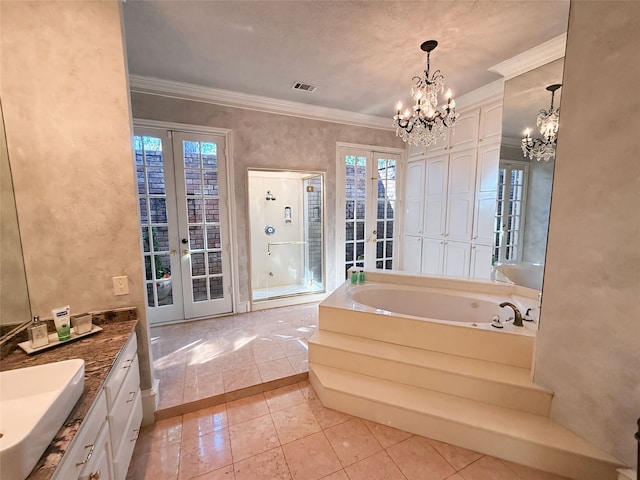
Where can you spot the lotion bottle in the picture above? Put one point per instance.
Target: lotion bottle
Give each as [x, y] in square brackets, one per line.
[62, 319]
[38, 334]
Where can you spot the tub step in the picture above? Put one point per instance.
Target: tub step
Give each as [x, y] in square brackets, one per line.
[527, 439]
[512, 346]
[480, 380]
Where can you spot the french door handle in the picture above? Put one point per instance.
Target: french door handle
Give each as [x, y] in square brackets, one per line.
[186, 252]
[173, 251]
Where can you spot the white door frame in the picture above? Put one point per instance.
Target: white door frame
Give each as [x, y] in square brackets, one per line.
[237, 306]
[340, 201]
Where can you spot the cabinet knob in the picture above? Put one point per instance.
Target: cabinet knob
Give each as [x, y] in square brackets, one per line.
[95, 475]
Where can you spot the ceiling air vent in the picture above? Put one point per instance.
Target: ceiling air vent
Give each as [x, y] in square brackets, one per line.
[305, 87]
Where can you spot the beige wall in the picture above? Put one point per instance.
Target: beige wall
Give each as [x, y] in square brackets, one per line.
[65, 101]
[269, 141]
[589, 341]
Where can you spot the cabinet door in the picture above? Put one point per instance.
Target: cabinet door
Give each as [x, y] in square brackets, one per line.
[411, 254]
[465, 133]
[490, 122]
[84, 443]
[122, 457]
[461, 185]
[99, 466]
[435, 196]
[456, 259]
[432, 256]
[123, 405]
[486, 193]
[481, 261]
[414, 198]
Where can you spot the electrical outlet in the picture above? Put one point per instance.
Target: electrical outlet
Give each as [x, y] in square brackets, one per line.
[121, 285]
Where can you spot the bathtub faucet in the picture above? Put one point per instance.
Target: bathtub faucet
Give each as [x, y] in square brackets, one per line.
[518, 316]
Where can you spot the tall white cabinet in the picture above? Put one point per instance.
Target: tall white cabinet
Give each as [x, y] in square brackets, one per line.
[450, 198]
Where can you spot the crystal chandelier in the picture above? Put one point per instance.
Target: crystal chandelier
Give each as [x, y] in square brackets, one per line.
[548, 122]
[427, 122]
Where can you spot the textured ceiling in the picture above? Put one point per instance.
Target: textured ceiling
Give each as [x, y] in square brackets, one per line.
[361, 55]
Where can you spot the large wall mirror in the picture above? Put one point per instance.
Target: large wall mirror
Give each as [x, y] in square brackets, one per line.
[14, 296]
[526, 184]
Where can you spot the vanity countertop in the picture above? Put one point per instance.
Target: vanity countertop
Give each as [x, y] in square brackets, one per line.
[99, 352]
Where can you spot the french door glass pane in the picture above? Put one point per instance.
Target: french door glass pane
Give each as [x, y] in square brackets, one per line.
[386, 196]
[202, 189]
[355, 198]
[152, 197]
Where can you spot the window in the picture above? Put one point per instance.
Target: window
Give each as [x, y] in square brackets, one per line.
[509, 225]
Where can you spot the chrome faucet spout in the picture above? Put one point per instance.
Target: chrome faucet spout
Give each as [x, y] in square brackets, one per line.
[518, 316]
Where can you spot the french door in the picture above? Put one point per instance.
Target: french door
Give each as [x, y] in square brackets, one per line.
[367, 208]
[510, 211]
[184, 224]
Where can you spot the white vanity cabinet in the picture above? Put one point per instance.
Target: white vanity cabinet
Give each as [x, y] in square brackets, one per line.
[103, 445]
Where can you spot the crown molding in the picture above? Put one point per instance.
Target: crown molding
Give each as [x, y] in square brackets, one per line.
[511, 142]
[186, 91]
[533, 58]
[486, 93]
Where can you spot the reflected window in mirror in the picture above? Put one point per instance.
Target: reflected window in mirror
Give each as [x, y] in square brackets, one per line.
[510, 211]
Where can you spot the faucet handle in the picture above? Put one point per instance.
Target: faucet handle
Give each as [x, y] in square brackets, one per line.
[527, 317]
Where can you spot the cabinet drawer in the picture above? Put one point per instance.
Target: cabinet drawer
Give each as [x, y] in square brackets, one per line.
[122, 458]
[99, 467]
[119, 370]
[84, 442]
[121, 410]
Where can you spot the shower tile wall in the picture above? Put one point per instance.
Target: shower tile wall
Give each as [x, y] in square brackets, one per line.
[314, 228]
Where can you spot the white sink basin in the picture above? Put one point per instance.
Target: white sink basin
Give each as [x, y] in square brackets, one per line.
[34, 403]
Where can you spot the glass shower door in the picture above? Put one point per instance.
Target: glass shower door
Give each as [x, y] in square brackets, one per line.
[286, 218]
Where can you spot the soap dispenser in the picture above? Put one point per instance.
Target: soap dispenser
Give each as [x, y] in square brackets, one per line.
[38, 334]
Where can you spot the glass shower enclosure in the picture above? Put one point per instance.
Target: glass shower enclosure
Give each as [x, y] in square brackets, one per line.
[286, 215]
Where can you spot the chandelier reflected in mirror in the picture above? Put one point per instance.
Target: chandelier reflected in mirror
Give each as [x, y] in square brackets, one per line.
[548, 122]
[427, 122]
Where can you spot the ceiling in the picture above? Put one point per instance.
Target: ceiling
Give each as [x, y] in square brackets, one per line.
[360, 55]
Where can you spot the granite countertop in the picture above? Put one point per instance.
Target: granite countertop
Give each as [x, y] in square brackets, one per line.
[99, 352]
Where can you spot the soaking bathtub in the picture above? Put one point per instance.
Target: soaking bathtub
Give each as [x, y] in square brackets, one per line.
[437, 314]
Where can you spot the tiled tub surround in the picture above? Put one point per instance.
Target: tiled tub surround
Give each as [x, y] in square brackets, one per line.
[439, 371]
[99, 351]
[207, 362]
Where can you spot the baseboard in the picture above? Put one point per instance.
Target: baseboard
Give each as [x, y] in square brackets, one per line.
[150, 400]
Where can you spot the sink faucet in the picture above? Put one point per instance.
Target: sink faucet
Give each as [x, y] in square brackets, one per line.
[518, 316]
